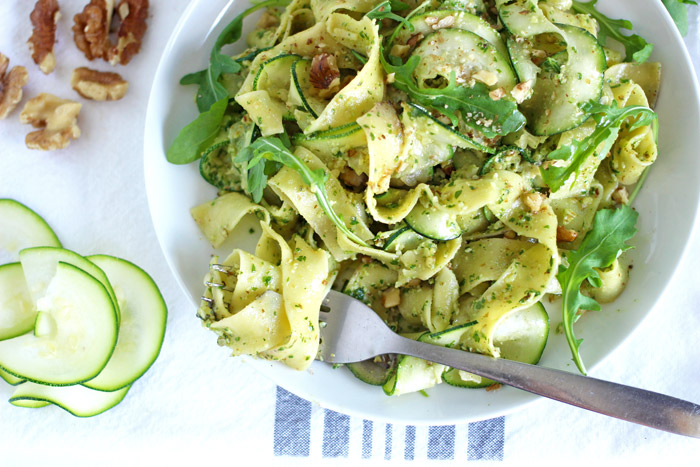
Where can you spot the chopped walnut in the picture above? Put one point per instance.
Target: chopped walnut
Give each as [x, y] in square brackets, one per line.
[56, 118]
[489, 78]
[44, 19]
[621, 195]
[522, 91]
[431, 20]
[497, 94]
[566, 235]
[133, 14]
[446, 22]
[11, 85]
[324, 72]
[91, 28]
[391, 297]
[98, 85]
[533, 201]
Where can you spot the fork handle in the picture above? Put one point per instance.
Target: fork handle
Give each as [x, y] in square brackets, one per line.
[616, 400]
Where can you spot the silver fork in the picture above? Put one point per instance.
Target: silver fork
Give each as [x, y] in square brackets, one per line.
[352, 332]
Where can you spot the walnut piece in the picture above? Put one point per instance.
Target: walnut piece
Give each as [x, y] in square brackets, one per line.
[324, 72]
[533, 201]
[133, 14]
[57, 119]
[44, 19]
[11, 85]
[92, 26]
[99, 85]
[621, 195]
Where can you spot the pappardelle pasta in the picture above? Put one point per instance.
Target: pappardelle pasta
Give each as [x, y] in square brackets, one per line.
[449, 163]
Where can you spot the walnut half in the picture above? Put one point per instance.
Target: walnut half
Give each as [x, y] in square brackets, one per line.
[324, 73]
[57, 119]
[44, 19]
[133, 14]
[11, 85]
[99, 85]
[92, 26]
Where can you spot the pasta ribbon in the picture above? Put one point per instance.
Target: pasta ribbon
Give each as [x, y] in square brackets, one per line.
[306, 279]
[521, 285]
[367, 88]
[217, 218]
[384, 138]
[289, 186]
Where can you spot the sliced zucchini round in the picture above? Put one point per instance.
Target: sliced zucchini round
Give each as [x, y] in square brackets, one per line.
[448, 132]
[22, 228]
[415, 374]
[142, 327]
[217, 165]
[16, 307]
[10, 379]
[463, 54]
[84, 338]
[522, 336]
[555, 105]
[39, 265]
[77, 400]
[402, 240]
[334, 140]
[300, 90]
[426, 22]
[523, 66]
[29, 403]
[274, 76]
[433, 223]
[371, 372]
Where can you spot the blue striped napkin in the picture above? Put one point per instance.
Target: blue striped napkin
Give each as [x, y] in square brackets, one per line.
[304, 430]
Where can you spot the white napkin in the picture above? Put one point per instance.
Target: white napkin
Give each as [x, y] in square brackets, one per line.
[198, 405]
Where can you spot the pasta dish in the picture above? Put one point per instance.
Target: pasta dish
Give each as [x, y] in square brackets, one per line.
[452, 164]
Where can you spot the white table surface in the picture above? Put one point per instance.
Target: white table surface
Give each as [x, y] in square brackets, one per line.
[93, 195]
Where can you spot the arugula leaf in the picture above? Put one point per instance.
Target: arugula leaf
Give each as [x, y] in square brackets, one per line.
[473, 104]
[189, 143]
[210, 88]
[612, 229]
[679, 12]
[609, 121]
[636, 47]
[385, 10]
[266, 155]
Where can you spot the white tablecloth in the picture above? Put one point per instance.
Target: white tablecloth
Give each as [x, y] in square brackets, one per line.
[185, 408]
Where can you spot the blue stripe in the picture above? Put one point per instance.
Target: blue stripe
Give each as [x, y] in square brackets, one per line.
[387, 442]
[409, 450]
[366, 439]
[292, 425]
[336, 434]
[486, 439]
[441, 442]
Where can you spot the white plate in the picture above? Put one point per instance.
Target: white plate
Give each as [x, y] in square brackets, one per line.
[668, 207]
